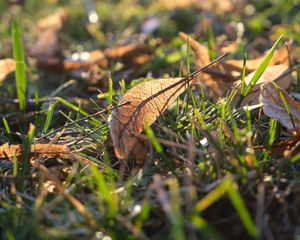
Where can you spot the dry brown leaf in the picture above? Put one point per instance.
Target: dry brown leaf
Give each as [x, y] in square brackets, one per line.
[202, 57]
[55, 21]
[147, 101]
[174, 4]
[93, 58]
[219, 78]
[41, 150]
[96, 57]
[229, 47]
[280, 74]
[6, 67]
[214, 83]
[271, 97]
[286, 148]
[47, 45]
[211, 5]
[281, 56]
[130, 54]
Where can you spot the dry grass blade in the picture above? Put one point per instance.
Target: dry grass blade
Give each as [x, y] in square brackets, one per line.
[6, 67]
[278, 104]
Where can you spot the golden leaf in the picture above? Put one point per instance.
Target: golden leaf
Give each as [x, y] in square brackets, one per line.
[147, 101]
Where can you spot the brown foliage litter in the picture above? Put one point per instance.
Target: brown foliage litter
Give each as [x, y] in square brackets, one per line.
[6, 67]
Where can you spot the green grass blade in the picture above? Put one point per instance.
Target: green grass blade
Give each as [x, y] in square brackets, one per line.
[110, 91]
[188, 56]
[298, 81]
[243, 73]
[211, 43]
[260, 70]
[79, 110]
[123, 86]
[18, 50]
[178, 219]
[105, 192]
[211, 197]
[49, 117]
[248, 119]
[10, 235]
[272, 132]
[286, 106]
[153, 139]
[295, 158]
[7, 128]
[201, 224]
[15, 165]
[241, 209]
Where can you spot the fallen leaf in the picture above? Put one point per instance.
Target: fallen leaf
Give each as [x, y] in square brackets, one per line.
[221, 77]
[201, 52]
[47, 50]
[147, 101]
[230, 47]
[46, 46]
[287, 148]
[6, 67]
[212, 5]
[130, 54]
[279, 74]
[275, 100]
[281, 56]
[79, 61]
[54, 21]
[175, 4]
[85, 60]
